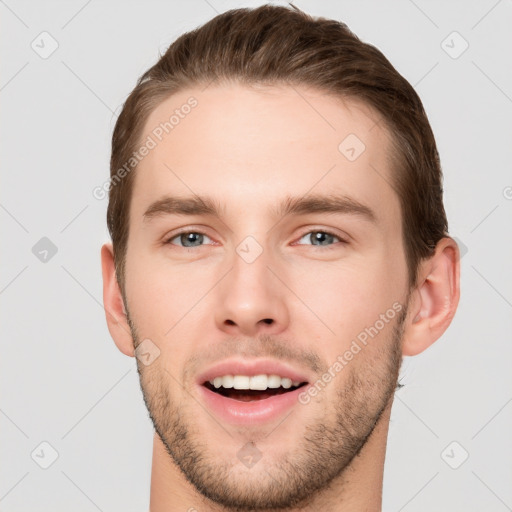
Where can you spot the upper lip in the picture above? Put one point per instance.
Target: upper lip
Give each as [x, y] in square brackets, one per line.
[251, 367]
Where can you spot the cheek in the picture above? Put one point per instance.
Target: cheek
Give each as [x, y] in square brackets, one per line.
[162, 300]
[163, 290]
[346, 298]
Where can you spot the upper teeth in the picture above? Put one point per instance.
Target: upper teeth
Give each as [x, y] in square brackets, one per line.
[259, 382]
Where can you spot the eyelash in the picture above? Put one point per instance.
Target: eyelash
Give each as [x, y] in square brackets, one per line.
[199, 232]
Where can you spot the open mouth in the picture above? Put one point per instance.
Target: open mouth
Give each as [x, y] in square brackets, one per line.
[254, 394]
[251, 395]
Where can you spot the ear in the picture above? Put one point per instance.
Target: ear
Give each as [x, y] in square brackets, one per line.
[434, 301]
[113, 303]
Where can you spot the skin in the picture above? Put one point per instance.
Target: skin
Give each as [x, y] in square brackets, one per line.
[249, 148]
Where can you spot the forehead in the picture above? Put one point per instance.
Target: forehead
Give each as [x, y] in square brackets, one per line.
[250, 146]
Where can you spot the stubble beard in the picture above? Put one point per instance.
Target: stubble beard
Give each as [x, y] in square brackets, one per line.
[329, 445]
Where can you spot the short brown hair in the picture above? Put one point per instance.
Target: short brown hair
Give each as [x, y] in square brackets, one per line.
[275, 45]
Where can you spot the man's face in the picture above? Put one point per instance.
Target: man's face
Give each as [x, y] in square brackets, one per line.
[293, 292]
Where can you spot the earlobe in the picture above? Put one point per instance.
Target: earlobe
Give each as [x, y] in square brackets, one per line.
[434, 302]
[115, 311]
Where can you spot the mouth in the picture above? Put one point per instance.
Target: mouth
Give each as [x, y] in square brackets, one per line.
[250, 392]
[248, 389]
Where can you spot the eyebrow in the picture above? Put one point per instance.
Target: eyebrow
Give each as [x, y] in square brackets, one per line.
[311, 203]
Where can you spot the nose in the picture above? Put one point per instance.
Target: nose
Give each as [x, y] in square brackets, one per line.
[251, 300]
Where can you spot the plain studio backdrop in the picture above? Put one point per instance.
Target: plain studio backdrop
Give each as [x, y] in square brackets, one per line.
[75, 434]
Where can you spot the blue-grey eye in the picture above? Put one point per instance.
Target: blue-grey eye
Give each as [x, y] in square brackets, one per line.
[321, 238]
[189, 239]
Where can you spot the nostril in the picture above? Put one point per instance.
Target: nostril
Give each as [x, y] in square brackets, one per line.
[268, 320]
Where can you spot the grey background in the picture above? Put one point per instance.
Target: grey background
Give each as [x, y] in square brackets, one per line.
[63, 380]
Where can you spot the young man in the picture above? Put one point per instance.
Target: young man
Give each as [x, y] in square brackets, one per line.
[279, 242]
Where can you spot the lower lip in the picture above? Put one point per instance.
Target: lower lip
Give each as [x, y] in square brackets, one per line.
[237, 412]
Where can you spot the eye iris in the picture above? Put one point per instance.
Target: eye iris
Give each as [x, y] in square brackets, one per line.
[194, 238]
[322, 237]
